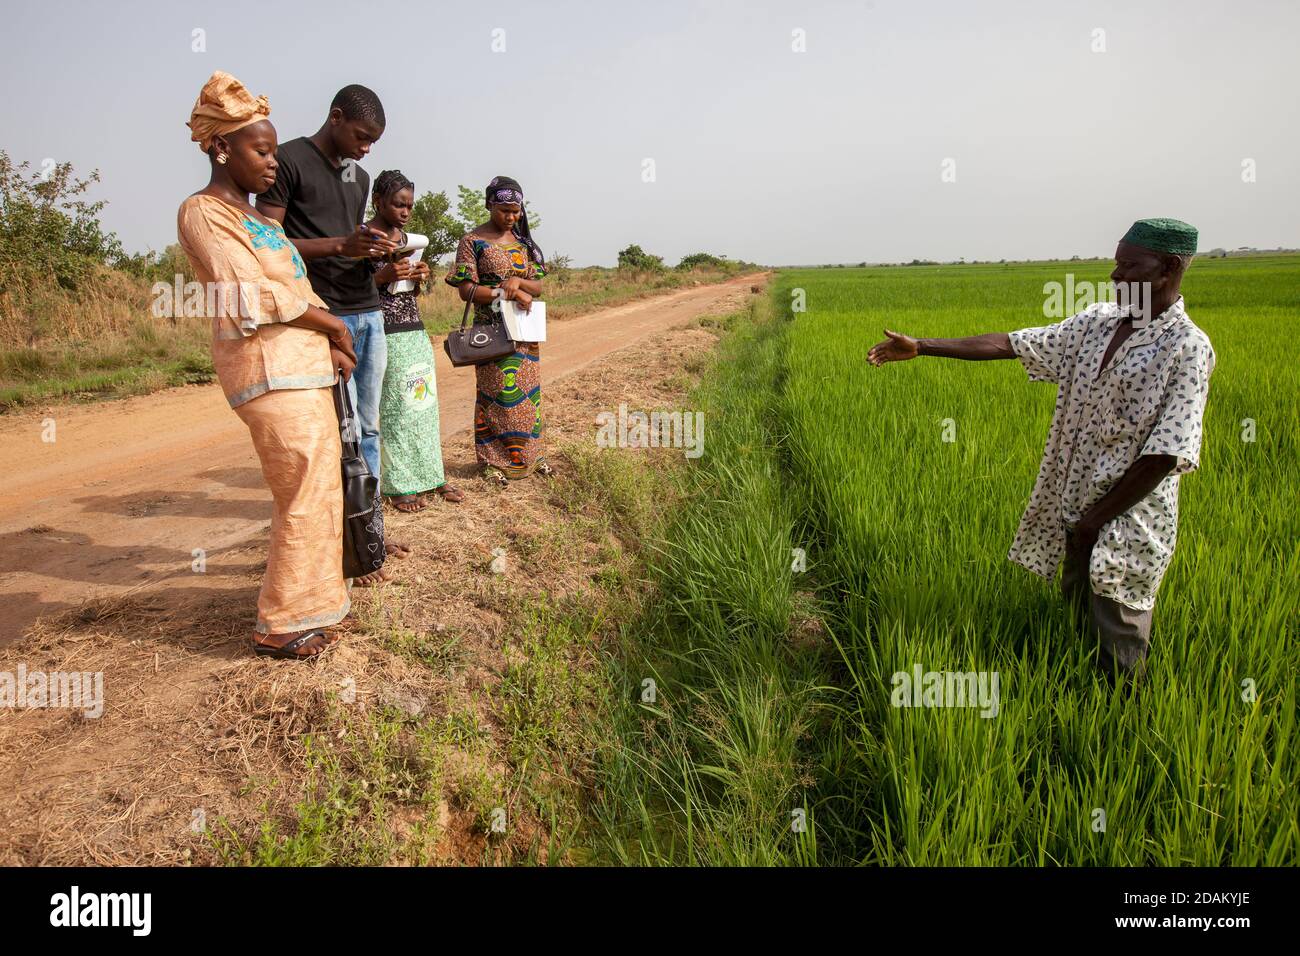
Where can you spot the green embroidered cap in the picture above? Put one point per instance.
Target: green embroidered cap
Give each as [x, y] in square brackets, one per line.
[1163, 235]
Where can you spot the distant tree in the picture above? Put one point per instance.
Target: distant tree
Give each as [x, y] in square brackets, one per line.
[470, 207]
[634, 257]
[432, 217]
[702, 259]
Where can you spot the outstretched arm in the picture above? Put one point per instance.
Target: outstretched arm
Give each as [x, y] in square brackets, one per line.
[974, 348]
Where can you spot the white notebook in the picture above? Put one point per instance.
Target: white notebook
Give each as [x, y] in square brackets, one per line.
[524, 326]
[415, 244]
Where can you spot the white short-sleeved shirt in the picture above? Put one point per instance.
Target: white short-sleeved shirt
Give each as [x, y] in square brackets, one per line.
[1149, 400]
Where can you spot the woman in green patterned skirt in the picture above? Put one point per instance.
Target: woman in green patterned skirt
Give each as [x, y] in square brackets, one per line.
[500, 258]
[410, 447]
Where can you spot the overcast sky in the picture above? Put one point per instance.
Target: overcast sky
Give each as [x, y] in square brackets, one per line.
[833, 154]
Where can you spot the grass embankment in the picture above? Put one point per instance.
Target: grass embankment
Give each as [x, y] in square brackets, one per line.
[765, 746]
[730, 663]
[103, 340]
[489, 750]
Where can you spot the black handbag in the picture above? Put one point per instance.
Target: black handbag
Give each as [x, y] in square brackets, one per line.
[363, 512]
[481, 342]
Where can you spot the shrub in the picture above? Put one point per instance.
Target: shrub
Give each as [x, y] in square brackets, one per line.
[634, 257]
[47, 230]
[703, 260]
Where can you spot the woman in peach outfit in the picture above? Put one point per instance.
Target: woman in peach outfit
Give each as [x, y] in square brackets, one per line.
[277, 353]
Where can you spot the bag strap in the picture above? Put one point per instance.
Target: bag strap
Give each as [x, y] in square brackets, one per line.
[343, 408]
[469, 304]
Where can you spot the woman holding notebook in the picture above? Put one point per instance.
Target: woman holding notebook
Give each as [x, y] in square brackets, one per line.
[410, 444]
[499, 257]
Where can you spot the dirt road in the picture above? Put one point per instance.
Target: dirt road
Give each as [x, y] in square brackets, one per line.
[130, 491]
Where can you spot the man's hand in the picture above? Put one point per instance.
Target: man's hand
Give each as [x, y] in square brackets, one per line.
[343, 362]
[896, 348]
[1079, 542]
[366, 243]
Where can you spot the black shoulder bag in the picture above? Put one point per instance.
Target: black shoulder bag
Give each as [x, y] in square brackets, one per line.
[363, 516]
[481, 342]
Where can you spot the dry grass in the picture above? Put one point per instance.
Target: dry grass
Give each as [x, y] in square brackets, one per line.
[102, 341]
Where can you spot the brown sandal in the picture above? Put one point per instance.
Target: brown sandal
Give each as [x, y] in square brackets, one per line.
[289, 649]
[448, 493]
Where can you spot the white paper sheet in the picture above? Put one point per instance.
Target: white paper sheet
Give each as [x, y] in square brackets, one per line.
[415, 244]
[524, 326]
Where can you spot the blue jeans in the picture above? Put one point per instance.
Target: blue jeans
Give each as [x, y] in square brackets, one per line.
[367, 380]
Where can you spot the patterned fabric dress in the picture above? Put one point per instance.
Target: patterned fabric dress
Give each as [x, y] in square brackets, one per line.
[411, 448]
[508, 406]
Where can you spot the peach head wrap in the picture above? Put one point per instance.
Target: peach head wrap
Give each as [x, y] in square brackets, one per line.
[224, 105]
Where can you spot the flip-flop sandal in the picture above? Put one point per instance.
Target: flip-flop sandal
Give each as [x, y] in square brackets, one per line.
[497, 476]
[288, 651]
[544, 468]
[448, 493]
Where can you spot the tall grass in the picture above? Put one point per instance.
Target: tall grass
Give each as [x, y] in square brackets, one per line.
[907, 537]
[103, 339]
[712, 768]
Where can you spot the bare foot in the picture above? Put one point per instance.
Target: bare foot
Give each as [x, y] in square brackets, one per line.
[373, 579]
[397, 550]
[409, 504]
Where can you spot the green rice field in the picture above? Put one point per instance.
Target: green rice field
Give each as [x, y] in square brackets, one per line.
[771, 737]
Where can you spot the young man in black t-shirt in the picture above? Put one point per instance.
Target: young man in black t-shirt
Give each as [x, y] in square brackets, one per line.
[320, 196]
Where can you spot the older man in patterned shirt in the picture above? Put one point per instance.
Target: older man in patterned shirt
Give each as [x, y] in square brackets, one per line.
[1132, 383]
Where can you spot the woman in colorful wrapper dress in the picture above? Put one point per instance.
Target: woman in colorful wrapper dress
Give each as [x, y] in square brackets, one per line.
[501, 254]
[410, 446]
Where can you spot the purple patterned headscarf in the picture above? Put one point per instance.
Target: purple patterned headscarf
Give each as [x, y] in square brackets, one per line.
[504, 189]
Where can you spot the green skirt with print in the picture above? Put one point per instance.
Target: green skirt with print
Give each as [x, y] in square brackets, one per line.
[410, 447]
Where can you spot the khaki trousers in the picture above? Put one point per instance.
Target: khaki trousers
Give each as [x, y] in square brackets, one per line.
[1123, 633]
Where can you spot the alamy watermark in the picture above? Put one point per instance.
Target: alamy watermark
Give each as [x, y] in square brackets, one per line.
[658, 429]
[130, 910]
[78, 690]
[1072, 297]
[922, 688]
[204, 300]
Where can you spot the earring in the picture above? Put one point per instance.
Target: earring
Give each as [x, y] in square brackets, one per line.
[221, 158]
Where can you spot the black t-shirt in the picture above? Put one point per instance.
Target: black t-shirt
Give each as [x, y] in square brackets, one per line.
[322, 200]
